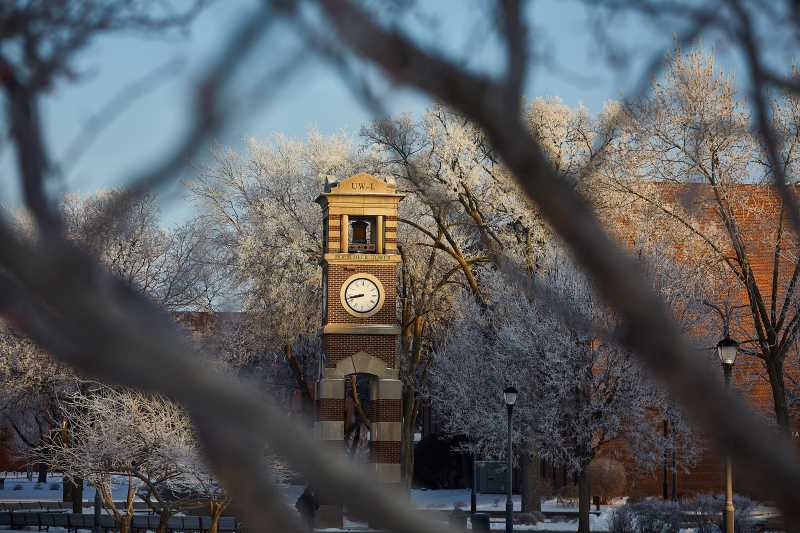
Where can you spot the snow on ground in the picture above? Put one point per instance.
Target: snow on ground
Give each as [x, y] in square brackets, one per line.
[18, 488]
[597, 523]
[460, 499]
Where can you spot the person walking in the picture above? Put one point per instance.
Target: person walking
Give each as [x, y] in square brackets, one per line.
[307, 505]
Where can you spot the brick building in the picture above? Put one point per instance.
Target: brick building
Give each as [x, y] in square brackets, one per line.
[758, 214]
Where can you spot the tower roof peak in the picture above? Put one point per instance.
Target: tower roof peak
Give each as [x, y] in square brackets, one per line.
[361, 183]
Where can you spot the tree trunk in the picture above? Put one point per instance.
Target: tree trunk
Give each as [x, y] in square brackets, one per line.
[216, 509]
[664, 488]
[42, 473]
[125, 523]
[410, 402]
[531, 496]
[163, 520]
[66, 491]
[306, 395]
[584, 500]
[76, 492]
[674, 477]
[408, 426]
[466, 471]
[775, 372]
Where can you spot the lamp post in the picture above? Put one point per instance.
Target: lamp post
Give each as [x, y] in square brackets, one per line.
[726, 349]
[510, 398]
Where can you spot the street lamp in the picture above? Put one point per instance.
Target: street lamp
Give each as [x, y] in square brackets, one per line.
[510, 398]
[726, 349]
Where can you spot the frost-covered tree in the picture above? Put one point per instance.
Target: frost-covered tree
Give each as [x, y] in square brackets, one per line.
[579, 390]
[170, 266]
[111, 438]
[31, 385]
[464, 211]
[438, 240]
[144, 443]
[173, 267]
[460, 188]
[236, 344]
[689, 162]
[259, 209]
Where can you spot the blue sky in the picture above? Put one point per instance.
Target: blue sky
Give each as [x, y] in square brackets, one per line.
[571, 67]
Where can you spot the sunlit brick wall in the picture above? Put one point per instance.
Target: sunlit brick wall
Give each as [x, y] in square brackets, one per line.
[338, 347]
[756, 211]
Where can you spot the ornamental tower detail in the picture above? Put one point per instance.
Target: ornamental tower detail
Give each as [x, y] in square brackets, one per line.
[359, 395]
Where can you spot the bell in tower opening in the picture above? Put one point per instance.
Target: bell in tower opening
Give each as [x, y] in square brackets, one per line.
[361, 238]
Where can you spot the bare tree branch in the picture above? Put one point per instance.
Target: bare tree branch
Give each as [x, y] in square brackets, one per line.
[516, 34]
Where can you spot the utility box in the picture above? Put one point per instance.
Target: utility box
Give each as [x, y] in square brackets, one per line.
[491, 477]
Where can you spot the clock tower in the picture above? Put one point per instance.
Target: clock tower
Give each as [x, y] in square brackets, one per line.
[360, 322]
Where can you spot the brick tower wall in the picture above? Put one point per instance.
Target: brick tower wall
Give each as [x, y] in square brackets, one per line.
[357, 344]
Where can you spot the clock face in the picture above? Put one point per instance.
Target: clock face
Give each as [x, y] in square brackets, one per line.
[362, 295]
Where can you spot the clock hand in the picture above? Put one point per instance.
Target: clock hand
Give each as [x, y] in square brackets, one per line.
[355, 296]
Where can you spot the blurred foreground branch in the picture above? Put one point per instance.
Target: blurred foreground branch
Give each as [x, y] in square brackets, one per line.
[86, 317]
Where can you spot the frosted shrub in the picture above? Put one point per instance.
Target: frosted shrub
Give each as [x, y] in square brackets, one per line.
[622, 520]
[650, 516]
[705, 513]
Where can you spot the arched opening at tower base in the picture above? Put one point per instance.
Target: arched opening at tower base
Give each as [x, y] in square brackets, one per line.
[360, 391]
[360, 400]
